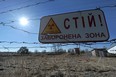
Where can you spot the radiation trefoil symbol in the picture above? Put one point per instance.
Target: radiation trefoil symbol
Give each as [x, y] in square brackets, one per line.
[51, 28]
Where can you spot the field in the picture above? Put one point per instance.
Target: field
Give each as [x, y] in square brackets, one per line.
[64, 65]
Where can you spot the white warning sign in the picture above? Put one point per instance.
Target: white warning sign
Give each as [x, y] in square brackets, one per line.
[82, 26]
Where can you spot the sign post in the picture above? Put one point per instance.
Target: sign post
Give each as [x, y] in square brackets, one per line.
[82, 26]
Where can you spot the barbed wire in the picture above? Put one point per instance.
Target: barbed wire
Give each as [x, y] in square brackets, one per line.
[35, 4]
[89, 45]
[12, 21]
[12, 42]
[5, 47]
[27, 6]
[110, 6]
[13, 27]
[15, 42]
[18, 3]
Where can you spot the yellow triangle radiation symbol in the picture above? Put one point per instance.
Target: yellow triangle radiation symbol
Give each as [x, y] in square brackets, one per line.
[51, 28]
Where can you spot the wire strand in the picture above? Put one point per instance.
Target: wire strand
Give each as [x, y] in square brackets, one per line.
[110, 6]
[19, 29]
[27, 6]
[15, 42]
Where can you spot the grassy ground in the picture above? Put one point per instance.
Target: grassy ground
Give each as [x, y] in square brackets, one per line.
[64, 65]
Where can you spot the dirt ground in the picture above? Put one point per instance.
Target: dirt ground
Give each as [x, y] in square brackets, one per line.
[64, 65]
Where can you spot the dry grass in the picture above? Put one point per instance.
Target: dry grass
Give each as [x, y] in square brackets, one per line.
[57, 66]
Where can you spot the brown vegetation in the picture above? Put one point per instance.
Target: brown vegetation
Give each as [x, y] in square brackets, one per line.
[64, 65]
